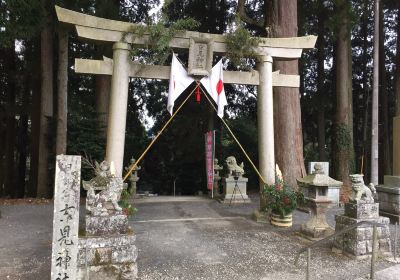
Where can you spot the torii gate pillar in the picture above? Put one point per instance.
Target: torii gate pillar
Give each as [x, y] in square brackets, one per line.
[118, 107]
[265, 113]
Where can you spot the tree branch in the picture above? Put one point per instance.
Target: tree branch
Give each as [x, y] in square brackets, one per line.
[241, 11]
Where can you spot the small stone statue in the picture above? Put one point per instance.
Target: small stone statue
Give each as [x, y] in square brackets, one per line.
[233, 168]
[361, 193]
[110, 188]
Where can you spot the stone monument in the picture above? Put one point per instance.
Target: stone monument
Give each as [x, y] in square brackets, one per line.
[66, 217]
[361, 207]
[233, 183]
[133, 178]
[389, 198]
[315, 189]
[107, 250]
[325, 166]
[217, 177]
[389, 192]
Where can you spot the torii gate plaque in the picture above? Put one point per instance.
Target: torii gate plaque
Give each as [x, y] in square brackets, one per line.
[121, 68]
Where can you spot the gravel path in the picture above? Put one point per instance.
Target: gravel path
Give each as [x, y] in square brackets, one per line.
[198, 239]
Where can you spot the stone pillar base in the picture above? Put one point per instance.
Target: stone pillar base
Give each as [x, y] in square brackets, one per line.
[315, 234]
[261, 217]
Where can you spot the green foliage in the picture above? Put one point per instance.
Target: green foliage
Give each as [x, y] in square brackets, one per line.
[281, 199]
[240, 45]
[85, 138]
[127, 207]
[19, 19]
[310, 152]
[343, 14]
[160, 35]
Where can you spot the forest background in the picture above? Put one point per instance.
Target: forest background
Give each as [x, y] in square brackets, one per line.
[47, 109]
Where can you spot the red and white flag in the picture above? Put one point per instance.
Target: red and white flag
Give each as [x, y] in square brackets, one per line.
[179, 80]
[214, 84]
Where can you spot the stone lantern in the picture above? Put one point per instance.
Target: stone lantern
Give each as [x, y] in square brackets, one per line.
[315, 189]
[133, 178]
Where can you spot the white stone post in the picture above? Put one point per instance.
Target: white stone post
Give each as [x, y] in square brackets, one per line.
[118, 106]
[265, 118]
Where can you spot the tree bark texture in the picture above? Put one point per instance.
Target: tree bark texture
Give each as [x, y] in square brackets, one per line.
[282, 20]
[62, 92]
[320, 84]
[385, 158]
[9, 182]
[397, 75]
[46, 109]
[343, 137]
[35, 124]
[22, 143]
[366, 147]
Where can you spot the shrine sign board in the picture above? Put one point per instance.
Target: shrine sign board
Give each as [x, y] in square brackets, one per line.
[200, 56]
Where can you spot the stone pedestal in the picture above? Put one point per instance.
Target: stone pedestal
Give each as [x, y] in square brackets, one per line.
[317, 227]
[358, 242]
[106, 225]
[110, 257]
[108, 250]
[389, 198]
[230, 195]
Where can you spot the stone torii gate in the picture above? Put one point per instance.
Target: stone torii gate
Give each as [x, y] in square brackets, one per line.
[201, 48]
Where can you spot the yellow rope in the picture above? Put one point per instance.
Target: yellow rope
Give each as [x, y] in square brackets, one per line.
[170, 119]
[237, 141]
[158, 135]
